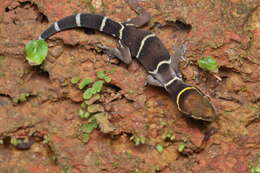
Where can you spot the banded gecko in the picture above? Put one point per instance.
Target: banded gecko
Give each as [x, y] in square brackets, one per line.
[143, 45]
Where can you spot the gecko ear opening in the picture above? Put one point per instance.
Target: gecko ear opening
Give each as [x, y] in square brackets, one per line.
[194, 103]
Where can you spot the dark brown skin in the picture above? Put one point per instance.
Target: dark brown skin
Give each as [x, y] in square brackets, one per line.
[198, 106]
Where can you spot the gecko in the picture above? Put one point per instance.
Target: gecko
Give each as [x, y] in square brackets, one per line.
[147, 48]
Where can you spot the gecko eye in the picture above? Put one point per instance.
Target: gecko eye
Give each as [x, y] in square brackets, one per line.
[195, 104]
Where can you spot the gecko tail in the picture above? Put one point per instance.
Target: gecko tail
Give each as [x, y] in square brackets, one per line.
[84, 20]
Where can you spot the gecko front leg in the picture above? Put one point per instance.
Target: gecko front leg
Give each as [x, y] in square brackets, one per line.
[122, 52]
[179, 55]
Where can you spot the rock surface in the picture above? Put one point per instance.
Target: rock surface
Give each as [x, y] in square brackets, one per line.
[228, 30]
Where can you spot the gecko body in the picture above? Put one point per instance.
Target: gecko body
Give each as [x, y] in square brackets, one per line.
[147, 48]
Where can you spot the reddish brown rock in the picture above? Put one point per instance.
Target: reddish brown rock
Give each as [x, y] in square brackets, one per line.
[226, 30]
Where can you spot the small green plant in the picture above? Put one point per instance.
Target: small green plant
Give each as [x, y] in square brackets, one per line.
[102, 75]
[83, 114]
[36, 51]
[115, 165]
[254, 168]
[15, 141]
[66, 169]
[181, 147]
[154, 169]
[208, 63]
[93, 99]
[86, 129]
[159, 148]
[98, 162]
[83, 105]
[46, 139]
[88, 93]
[75, 80]
[85, 137]
[21, 98]
[96, 87]
[138, 140]
[168, 136]
[84, 83]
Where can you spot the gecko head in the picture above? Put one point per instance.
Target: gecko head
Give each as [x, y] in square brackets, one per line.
[192, 102]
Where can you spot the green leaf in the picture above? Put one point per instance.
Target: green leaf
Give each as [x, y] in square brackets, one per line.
[111, 71]
[88, 128]
[168, 136]
[14, 141]
[107, 79]
[115, 165]
[208, 63]
[88, 94]
[21, 98]
[102, 75]
[97, 86]
[46, 139]
[84, 82]
[75, 79]
[159, 148]
[86, 115]
[36, 51]
[83, 114]
[138, 139]
[181, 147]
[85, 137]
[83, 105]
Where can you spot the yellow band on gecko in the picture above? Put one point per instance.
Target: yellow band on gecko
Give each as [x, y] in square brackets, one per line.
[179, 95]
